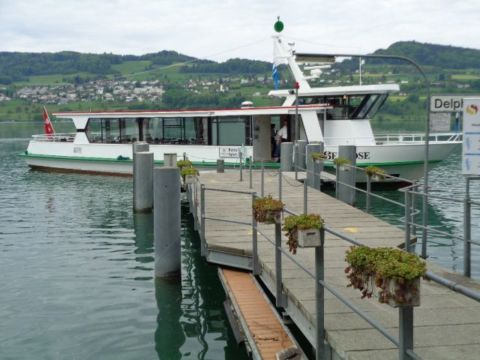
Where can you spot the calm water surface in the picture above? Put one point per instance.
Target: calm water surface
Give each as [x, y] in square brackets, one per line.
[76, 271]
[76, 267]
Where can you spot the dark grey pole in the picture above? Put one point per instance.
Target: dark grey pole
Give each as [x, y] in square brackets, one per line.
[220, 166]
[262, 190]
[405, 339]
[407, 221]
[203, 247]
[319, 298]
[467, 229]
[369, 190]
[347, 193]
[302, 148]
[167, 221]
[279, 296]
[280, 184]
[143, 182]
[241, 166]
[255, 266]
[250, 180]
[305, 197]
[286, 156]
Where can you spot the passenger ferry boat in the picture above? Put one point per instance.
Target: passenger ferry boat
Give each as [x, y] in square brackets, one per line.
[333, 115]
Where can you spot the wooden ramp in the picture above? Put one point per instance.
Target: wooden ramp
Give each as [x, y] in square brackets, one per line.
[447, 324]
[267, 336]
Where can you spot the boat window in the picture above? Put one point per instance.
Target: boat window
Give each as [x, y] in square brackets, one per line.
[174, 131]
[112, 130]
[230, 131]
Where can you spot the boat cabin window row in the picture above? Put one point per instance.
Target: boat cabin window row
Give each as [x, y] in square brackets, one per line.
[172, 130]
[348, 107]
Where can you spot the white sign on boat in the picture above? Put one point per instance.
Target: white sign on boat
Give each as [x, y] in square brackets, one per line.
[229, 152]
[446, 103]
[471, 137]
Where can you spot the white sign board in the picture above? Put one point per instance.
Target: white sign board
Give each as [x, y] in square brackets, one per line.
[446, 103]
[440, 122]
[229, 152]
[471, 136]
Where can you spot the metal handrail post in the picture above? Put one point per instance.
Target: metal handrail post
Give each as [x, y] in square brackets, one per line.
[320, 296]
[405, 338]
[241, 166]
[467, 228]
[279, 296]
[255, 267]
[413, 213]
[250, 173]
[280, 184]
[407, 221]
[369, 190]
[296, 160]
[337, 175]
[262, 190]
[305, 197]
[202, 220]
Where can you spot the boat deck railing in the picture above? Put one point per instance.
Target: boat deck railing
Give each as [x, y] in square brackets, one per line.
[63, 137]
[417, 137]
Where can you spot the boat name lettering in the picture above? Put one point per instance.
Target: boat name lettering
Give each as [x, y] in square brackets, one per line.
[362, 155]
[446, 103]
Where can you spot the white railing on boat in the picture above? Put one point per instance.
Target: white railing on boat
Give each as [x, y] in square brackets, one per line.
[417, 137]
[55, 137]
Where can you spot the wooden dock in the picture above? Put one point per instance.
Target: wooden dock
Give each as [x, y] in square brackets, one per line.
[446, 325]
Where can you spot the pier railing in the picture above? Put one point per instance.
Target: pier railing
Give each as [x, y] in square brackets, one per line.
[405, 339]
[70, 137]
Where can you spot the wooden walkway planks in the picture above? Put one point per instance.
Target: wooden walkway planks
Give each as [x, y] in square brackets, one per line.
[444, 321]
[263, 325]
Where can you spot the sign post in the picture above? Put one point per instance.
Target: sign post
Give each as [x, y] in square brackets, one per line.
[471, 137]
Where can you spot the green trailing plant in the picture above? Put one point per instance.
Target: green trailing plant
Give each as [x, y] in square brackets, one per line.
[188, 171]
[341, 161]
[375, 171]
[265, 209]
[393, 271]
[184, 164]
[318, 156]
[300, 222]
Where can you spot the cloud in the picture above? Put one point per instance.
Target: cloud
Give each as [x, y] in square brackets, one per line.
[219, 29]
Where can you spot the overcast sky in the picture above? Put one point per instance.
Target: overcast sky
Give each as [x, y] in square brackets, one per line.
[223, 29]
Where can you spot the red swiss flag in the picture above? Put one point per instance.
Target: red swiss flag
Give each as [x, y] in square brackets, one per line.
[47, 124]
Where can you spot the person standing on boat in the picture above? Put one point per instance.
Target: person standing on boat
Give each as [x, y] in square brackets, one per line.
[282, 136]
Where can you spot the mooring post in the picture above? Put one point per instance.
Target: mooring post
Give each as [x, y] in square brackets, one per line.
[255, 267]
[203, 247]
[302, 148]
[286, 156]
[143, 182]
[467, 230]
[250, 172]
[167, 221]
[170, 159]
[320, 296]
[405, 338]
[369, 190]
[279, 296]
[311, 165]
[262, 189]
[407, 221]
[347, 178]
[220, 166]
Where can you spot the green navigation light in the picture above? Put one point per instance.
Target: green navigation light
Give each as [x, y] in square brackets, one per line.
[278, 25]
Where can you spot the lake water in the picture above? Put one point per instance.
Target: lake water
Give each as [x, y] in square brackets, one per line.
[76, 267]
[76, 271]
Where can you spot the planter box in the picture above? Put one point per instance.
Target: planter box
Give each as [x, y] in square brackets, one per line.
[411, 298]
[271, 217]
[377, 178]
[190, 179]
[308, 238]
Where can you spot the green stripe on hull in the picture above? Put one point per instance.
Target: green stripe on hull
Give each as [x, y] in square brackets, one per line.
[255, 165]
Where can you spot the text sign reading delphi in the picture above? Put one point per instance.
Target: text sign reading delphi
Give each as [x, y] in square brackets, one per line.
[229, 152]
[471, 137]
[446, 103]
